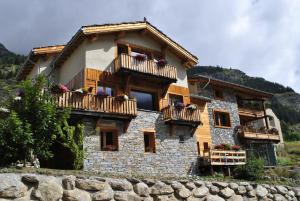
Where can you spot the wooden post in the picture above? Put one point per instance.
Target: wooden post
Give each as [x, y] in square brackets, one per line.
[265, 114]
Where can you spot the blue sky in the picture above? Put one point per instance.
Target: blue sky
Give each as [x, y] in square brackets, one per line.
[260, 37]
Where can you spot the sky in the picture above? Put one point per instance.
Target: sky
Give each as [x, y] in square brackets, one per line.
[259, 37]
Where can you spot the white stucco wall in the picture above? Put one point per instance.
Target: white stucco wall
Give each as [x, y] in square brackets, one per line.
[275, 124]
[43, 66]
[73, 65]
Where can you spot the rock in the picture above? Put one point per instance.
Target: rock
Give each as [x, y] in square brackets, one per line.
[208, 184]
[199, 183]
[120, 185]
[281, 190]
[236, 198]
[49, 189]
[278, 197]
[200, 192]
[261, 191]
[184, 181]
[133, 180]
[76, 195]
[91, 185]
[149, 182]
[214, 198]
[249, 188]
[176, 185]
[271, 196]
[11, 186]
[30, 179]
[165, 198]
[241, 190]
[183, 193]
[251, 193]
[68, 182]
[233, 186]
[126, 196]
[297, 192]
[220, 184]
[272, 190]
[244, 183]
[190, 185]
[142, 189]
[191, 198]
[103, 195]
[291, 193]
[214, 190]
[160, 188]
[226, 192]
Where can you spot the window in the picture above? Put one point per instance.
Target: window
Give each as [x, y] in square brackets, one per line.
[219, 94]
[122, 49]
[149, 141]
[173, 99]
[106, 89]
[109, 140]
[181, 138]
[205, 146]
[144, 100]
[222, 119]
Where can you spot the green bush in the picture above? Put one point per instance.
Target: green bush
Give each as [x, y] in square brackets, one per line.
[284, 161]
[253, 169]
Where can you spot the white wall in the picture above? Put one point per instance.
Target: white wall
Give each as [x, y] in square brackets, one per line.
[73, 64]
[43, 64]
[276, 122]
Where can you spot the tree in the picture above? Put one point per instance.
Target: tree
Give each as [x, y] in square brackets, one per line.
[37, 117]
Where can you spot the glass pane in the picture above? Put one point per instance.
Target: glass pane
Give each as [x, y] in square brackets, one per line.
[109, 138]
[109, 91]
[144, 100]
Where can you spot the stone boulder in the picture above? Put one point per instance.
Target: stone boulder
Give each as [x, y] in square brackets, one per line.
[49, 189]
[183, 193]
[190, 185]
[11, 186]
[241, 190]
[278, 197]
[200, 192]
[30, 179]
[160, 188]
[104, 195]
[69, 182]
[214, 190]
[91, 185]
[261, 191]
[236, 198]
[120, 184]
[176, 185]
[76, 195]
[220, 184]
[142, 189]
[214, 198]
[126, 196]
[233, 186]
[226, 192]
[281, 190]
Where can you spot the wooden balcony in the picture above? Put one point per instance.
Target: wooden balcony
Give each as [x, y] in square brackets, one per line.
[183, 116]
[258, 134]
[147, 68]
[92, 104]
[224, 157]
[255, 113]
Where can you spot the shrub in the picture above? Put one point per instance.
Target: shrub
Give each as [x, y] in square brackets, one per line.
[253, 169]
[284, 161]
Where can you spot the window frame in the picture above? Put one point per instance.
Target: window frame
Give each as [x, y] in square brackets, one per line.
[221, 111]
[114, 132]
[151, 137]
[155, 97]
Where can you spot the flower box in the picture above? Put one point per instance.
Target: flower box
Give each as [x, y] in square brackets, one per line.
[59, 88]
[161, 63]
[122, 97]
[235, 147]
[179, 105]
[101, 94]
[82, 91]
[140, 57]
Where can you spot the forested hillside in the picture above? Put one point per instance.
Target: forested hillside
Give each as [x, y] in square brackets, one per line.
[285, 103]
[9, 66]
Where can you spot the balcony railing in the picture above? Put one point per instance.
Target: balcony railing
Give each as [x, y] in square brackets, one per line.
[148, 67]
[250, 112]
[93, 103]
[224, 157]
[258, 134]
[181, 116]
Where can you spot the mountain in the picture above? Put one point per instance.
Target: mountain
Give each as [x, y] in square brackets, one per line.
[285, 103]
[9, 66]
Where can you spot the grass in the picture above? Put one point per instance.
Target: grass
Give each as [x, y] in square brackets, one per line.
[290, 154]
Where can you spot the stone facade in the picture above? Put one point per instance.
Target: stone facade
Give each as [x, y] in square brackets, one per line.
[70, 188]
[172, 156]
[228, 104]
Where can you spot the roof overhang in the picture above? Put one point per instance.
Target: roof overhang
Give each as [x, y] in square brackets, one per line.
[86, 31]
[34, 55]
[240, 88]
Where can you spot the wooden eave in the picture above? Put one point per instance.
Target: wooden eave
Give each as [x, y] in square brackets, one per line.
[34, 56]
[86, 31]
[240, 88]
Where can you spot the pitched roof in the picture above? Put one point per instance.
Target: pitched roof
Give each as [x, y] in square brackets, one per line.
[33, 57]
[126, 26]
[237, 87]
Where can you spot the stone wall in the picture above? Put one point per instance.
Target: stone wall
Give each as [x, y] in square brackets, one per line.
[172, 157]
[228, 104]
[25, 187]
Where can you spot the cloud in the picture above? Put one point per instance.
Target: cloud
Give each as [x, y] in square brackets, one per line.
[258, 37]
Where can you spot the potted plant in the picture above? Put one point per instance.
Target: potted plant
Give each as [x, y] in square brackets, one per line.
[179, 105]
[191, 107]
[162, 62]
[101, 94]
[235, 147]
[122, 97]
[140, 57]
[59, 88]
[81, 91]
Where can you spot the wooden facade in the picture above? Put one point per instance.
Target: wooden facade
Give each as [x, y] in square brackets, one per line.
[258, 134]
[224, 157]
[182, 116]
